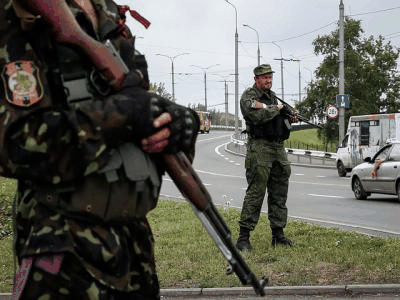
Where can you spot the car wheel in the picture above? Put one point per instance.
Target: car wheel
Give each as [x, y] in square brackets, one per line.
[341, 169]
[358, 189]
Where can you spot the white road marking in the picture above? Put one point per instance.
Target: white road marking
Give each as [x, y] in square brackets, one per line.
[209, 139]
[326, 196]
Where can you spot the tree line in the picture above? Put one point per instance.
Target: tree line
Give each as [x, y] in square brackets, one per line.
[371, 77]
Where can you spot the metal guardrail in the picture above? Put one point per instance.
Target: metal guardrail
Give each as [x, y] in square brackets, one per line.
[299, 156]
[222, 127]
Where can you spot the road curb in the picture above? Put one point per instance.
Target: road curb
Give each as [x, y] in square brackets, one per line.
[275, 290]
[287, 290]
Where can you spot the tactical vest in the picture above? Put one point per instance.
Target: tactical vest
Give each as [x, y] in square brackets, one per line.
[127, 185]
[276, 130]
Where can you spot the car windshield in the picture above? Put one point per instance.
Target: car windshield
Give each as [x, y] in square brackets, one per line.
[395, 153]
[383, 153]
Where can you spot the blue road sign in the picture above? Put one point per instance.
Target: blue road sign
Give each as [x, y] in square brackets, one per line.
[343, 101]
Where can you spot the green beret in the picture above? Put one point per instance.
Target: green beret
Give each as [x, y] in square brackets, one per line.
[263, 69]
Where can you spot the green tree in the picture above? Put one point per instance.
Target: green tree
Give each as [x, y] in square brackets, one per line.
[371, 76]
[159, 89]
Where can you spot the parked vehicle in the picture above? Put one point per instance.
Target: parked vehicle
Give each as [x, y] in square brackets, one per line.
[365, 135]
[205, 121]
[379, 174]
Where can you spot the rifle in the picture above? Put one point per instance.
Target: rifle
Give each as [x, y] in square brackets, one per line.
[293, 112]
[67, 30]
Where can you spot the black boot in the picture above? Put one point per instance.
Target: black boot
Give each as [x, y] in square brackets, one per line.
[278, 238]
[243, 242]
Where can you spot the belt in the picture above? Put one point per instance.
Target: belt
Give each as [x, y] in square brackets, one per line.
[269, 139]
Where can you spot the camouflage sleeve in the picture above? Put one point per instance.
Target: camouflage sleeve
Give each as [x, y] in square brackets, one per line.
[60, 145]
[256, 116]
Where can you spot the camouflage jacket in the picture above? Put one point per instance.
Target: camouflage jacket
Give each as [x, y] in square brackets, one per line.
[258, 116]
[44, 143]
[267, 123]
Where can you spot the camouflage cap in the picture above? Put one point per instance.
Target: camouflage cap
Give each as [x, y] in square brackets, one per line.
[263, 69]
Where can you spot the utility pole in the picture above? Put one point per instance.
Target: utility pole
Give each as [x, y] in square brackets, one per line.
[205, 82]
[258, 43]
[226, 104]
[172, 58]
[281, 59]
[342, 110]
[236, 73]
[298, 60]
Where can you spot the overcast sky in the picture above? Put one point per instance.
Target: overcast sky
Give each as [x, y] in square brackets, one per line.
[206, 30]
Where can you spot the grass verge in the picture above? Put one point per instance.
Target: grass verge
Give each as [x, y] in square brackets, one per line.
[187, 257]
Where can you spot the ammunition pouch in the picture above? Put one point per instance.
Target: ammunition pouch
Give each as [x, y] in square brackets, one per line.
[126, 188]
[275, 130]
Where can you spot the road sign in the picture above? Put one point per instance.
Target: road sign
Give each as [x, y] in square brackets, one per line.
[343, 101]
[332, 112]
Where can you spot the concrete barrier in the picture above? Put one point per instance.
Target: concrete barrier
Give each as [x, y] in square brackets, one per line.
[295, 156]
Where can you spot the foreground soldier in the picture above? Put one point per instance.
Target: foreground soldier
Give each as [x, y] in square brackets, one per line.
[85, 157]
[267, 167]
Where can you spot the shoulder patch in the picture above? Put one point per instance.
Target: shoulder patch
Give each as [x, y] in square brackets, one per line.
[22, 83]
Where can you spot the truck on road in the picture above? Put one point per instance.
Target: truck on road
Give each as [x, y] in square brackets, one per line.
[205, 121]
[365, 135]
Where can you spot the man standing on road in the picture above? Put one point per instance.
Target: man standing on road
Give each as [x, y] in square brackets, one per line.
[267, 166]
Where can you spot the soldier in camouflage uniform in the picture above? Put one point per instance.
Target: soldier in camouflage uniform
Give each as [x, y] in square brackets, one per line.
[267, 166]
[86, 157]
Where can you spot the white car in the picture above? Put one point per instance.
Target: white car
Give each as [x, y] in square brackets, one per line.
[379, 174]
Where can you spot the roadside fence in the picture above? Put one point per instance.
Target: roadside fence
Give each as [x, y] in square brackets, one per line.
[237, 145]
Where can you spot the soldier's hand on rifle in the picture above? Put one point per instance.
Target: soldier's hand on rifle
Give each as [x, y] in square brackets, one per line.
[280, 106]
[158, 141]
[178, 127]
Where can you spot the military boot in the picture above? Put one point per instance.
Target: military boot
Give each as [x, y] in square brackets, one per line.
[278, 238]
[243, 242]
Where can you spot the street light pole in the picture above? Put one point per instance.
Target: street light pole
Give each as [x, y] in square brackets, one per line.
[283, 90]
[205, 82]
[258, 44]
[298, 60]
[236, 75]
[172, 70]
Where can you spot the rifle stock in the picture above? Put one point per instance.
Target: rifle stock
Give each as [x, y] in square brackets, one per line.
[67, 30]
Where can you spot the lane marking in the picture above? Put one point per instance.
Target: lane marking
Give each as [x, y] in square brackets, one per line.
[326, 196]
[214, 138]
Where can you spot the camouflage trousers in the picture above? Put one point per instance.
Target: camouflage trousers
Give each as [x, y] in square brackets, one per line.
[72, 281]
[267, 168]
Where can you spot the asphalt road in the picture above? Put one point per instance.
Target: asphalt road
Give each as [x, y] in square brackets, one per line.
[317, 195]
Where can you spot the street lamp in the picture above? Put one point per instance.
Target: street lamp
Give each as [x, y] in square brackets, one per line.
[311, 76]
[298, 60]
[236, 75]
[205, 82]
[172, 67]
[258, 44]
[281, 59]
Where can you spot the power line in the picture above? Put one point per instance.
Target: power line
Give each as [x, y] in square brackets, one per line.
[301, 35]
[374, 12]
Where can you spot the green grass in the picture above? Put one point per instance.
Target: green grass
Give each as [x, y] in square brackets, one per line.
[187, 257]
[7, 192]
[308, 139]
